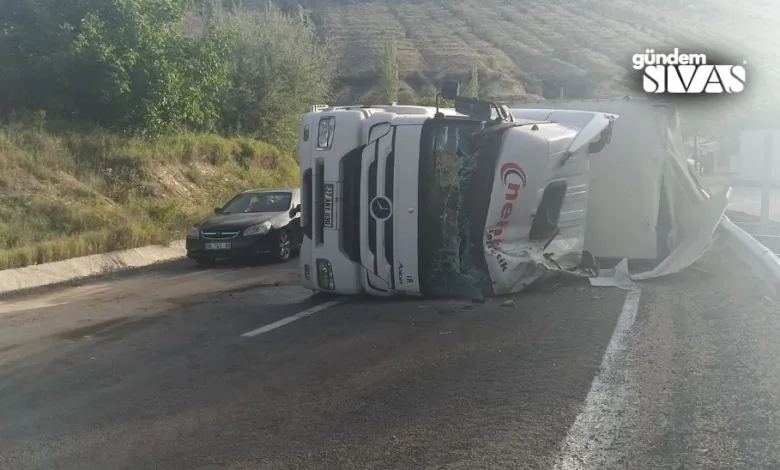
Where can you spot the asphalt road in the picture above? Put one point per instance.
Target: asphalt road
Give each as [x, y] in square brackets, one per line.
[172, 368]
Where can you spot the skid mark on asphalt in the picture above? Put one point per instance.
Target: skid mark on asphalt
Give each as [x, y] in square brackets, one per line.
[91, 330]
[291, 318]
[588, 443]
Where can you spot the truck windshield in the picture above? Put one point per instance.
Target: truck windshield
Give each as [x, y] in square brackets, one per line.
[449, 261]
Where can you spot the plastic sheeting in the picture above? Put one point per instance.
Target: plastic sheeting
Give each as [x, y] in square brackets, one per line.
[701, 229]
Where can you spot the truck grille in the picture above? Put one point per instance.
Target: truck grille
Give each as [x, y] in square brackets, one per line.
[386, 244]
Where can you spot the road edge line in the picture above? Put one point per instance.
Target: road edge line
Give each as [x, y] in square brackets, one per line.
[608, 395]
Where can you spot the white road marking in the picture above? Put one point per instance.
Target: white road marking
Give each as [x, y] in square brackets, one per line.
[589, 442]
[290, 319]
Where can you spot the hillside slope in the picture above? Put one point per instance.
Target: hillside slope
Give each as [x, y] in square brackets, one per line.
[532, 46]
[74, 194]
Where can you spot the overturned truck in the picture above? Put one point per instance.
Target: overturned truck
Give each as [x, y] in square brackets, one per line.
[480, 200]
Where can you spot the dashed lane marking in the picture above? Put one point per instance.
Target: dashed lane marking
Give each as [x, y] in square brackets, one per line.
[290, 319]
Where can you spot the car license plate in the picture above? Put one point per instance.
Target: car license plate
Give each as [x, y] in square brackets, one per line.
[218, 246]
[328, 203]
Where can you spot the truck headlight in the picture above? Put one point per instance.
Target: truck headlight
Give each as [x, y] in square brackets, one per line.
[325, 130]
[325, 275]
[258, 229]
[194, 232]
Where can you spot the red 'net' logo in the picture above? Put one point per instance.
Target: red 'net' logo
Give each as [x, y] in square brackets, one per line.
[509, 169]
[512, 190]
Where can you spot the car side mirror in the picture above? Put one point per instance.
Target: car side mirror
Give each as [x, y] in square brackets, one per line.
[295, 210]
[217, 210]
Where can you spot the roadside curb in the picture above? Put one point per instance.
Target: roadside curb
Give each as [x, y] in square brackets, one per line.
[764, 263]
[42, 275]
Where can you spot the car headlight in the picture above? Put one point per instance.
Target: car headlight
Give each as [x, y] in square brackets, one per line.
[258, 229]
[193, 233]
[325, 275]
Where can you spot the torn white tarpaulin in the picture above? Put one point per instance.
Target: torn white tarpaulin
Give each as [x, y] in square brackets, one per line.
[699, 231]
[615, 277]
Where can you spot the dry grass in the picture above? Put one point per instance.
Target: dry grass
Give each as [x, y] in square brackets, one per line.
[526, 45]
[73, 194]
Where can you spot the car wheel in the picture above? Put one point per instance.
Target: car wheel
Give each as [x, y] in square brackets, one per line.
[283, 246]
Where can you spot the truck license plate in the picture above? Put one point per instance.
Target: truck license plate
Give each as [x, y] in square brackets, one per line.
[328, 203]
[218, 246]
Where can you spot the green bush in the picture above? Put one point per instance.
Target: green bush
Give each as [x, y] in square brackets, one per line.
[431, 101]
[123, 64]
[278, 68]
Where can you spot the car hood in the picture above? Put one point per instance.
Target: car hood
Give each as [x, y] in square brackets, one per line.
[236, 221]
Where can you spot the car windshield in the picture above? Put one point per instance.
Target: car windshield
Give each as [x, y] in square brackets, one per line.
[448, 165]
[258, 202]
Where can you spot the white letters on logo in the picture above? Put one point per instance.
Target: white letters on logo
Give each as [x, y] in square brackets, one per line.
[687, 74]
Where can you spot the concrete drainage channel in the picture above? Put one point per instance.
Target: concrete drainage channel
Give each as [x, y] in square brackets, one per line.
[61, 272]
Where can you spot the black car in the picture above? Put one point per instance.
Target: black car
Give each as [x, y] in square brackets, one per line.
[253, 224]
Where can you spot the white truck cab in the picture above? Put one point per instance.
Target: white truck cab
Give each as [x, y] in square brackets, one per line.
[408, 200]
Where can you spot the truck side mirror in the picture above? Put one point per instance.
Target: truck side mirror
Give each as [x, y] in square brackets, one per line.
[474, 108]
[450, 90]
[604, 138]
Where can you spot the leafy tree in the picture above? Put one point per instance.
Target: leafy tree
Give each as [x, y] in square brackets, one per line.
[474, 83]
[128, 65]
[390, 81]
[278, 68]
[123, 64]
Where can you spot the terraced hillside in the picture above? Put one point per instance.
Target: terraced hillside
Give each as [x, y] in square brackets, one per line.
[532, 46]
